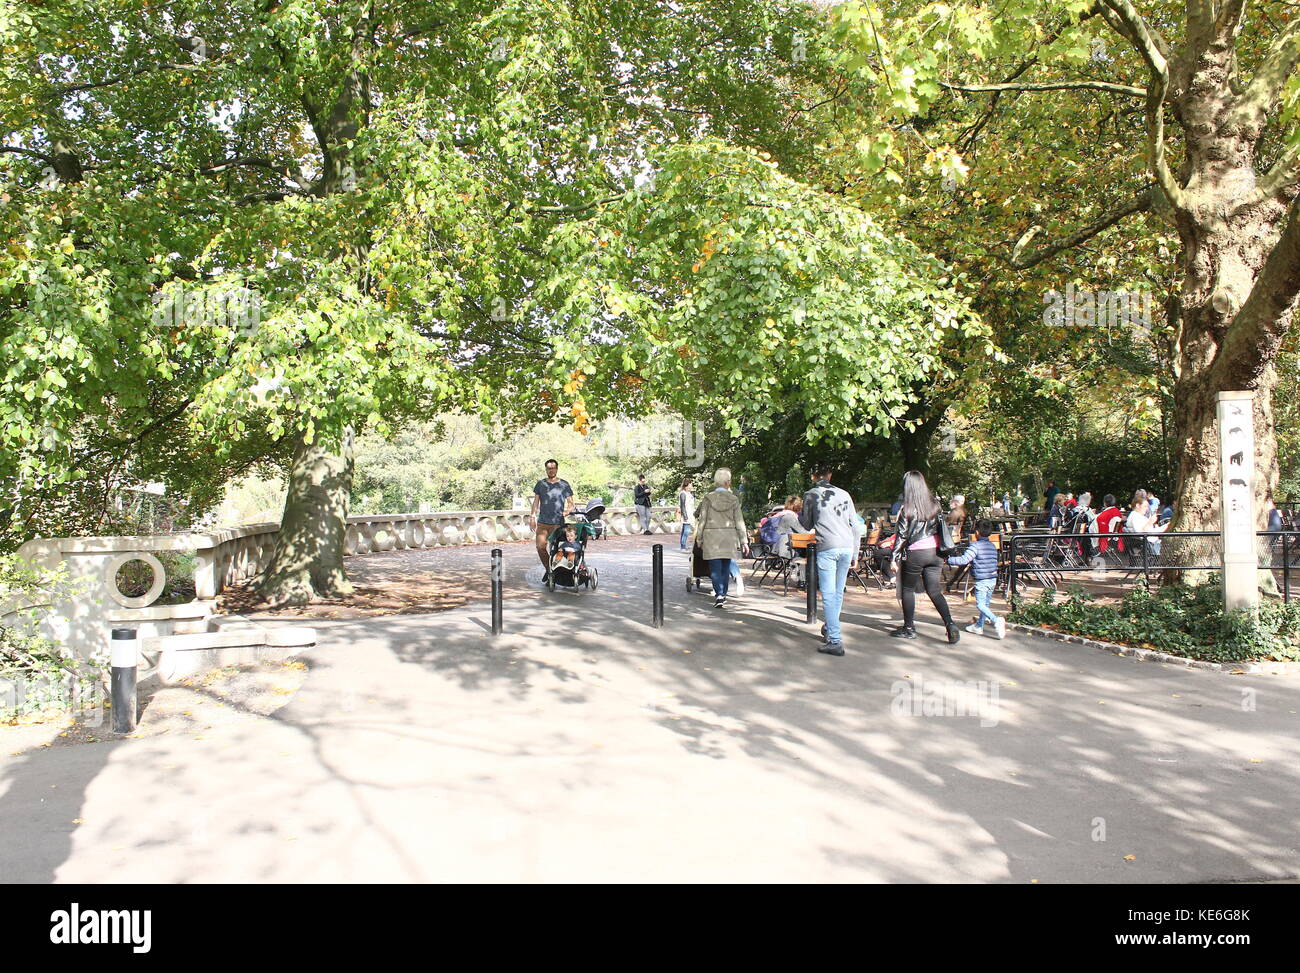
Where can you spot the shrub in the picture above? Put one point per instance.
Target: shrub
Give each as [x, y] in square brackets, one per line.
[1183, 621]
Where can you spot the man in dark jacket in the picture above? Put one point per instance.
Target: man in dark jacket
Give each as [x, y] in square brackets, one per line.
[642, 500]
[1050, 493]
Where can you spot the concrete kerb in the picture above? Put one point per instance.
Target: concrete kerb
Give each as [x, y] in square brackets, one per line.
[1153, 655]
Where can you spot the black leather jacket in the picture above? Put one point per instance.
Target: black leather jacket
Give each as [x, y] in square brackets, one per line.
[909, 531]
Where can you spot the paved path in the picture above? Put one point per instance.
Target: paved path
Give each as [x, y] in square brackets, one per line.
[585, 745]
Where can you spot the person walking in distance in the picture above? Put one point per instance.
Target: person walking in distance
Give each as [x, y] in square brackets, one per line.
[642, 500]
[552, 502]
[829, 513]
[720, 532]
[917, 546]
[686, 510]
[1050, 494]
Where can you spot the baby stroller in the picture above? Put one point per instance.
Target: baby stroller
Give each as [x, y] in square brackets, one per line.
[570, 569]
[593, 511]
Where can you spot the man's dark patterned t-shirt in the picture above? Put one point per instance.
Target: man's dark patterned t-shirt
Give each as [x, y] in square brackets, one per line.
[551, 509]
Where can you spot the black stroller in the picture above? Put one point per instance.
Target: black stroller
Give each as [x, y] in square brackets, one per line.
[593, 512]
[569, 568]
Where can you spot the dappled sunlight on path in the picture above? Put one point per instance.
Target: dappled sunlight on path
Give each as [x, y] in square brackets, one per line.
[585, 745]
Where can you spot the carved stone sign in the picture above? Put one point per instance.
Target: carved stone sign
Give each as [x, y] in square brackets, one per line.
[1237, 479]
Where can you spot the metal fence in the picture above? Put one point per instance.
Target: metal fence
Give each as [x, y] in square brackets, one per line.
[1045, 559]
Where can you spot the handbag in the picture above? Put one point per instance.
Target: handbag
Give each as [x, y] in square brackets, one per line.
[946, 544]
[901, 543]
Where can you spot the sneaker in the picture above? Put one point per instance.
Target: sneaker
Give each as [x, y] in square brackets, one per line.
[975, 629]
[903, 632]
[1000, 627]
[954, 634]
[720, 601]
[832, 648]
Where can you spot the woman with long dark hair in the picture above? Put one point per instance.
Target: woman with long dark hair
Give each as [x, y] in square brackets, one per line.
[916, 546]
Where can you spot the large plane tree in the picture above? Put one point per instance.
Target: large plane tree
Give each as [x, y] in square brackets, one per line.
[1211, 86]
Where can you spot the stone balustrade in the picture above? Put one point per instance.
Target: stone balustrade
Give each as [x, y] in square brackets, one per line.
[222, 558]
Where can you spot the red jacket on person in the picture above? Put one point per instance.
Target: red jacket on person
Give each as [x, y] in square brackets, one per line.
[1106, 521]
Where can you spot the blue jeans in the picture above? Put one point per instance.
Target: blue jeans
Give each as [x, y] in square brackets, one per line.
[984, 601]
[720, 569]
[686, 535]
[832, 574]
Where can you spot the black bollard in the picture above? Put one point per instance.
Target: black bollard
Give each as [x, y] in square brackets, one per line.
[497, 583]
[811, 583]
[124, 657]
[657, 587]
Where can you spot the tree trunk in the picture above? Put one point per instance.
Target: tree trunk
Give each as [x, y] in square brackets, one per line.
[1221, 261]
[308, 558]
[915, 446]
[1240, 261]
[915, 443]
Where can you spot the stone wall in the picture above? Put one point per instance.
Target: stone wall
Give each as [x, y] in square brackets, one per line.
[83, 620]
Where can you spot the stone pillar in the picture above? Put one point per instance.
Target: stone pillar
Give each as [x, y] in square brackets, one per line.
[205, 575]
[1237, 491]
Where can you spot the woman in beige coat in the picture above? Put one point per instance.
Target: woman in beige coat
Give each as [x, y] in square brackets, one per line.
[720, 533]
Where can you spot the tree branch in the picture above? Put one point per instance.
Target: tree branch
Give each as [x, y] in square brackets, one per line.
[1141, 203]
[575, 209]
[62, 91]
[1283, 174]
[971, 134]
[1261, 323]
[1151, 49]
[273, 196]
[21, 151]
[1121, 89]
[1200, 23]
[1228, 24]
[1254, 104]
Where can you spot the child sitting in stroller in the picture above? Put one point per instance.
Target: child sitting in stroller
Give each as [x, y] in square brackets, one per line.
[567, 548]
